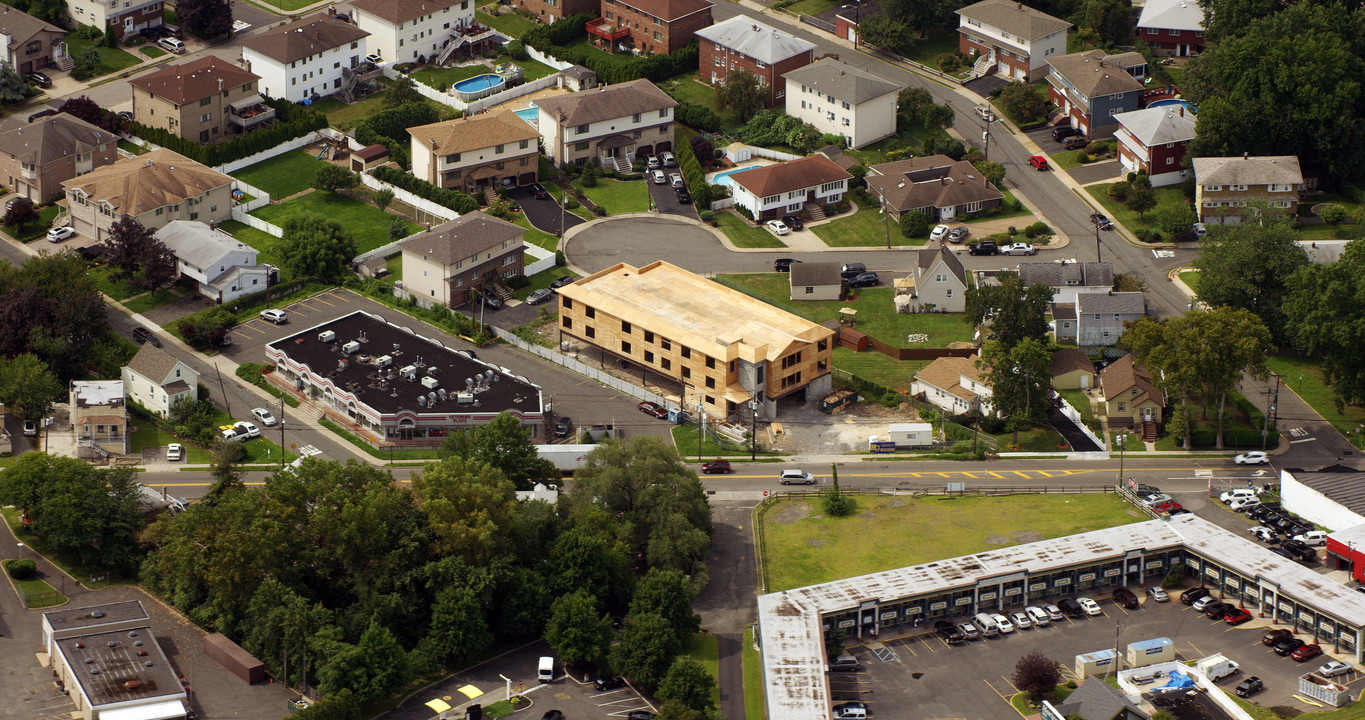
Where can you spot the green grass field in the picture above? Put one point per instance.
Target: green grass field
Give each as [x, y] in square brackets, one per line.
[877, 316]
[532, 70]
[149, 435]
[286, 5]
[151, 51]
[703, 648]
[865, 228]
[536, 237]
[1119, 213]
[618, 196]
[511, 24]
[282, 175]
[755, 702]
[685, 439]
[112, 60]
[878, 368]
[688, 87]
[1304, 377]
[745, 234]
[119, 290]
[146, 301]
[38, 587]
[367, 223]
[66, 563]
[1078, 399]
[941, 40]
[542, 280]
[38, 229]
[344, 116]
[1191, 279]
[801, 547]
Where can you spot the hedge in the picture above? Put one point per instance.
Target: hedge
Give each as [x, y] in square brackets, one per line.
[22, 569]
[291, 121]
[453, 199]
[551, 39]
[697, 116]
[696, 179]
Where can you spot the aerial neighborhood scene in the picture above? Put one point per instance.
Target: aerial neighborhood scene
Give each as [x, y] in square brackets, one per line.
[682, 360]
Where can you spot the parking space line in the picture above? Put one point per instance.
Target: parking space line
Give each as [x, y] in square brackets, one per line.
[324, 302]
[1197, 651]
[926, 643]
[247, 326]
[1003, 696]
[905, 642]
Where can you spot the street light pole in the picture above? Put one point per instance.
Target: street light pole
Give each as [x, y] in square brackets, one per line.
[1121, 444]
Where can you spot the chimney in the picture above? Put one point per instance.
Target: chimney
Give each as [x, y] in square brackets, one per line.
[1182, 111]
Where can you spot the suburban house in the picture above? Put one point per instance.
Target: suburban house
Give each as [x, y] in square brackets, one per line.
[36, 158]
[742, 43]
[649, 26]
[815, 281]
[224, 267]
[156, 380]
[445, 265]
[30, 44]
[130, 18]
[469, 154]
[1096, 700]
[795, 187]
[202, 101]
[953, 384]
[548, 11]
[306, 58]
[1067, 279]
[99, 418]
[720, 346]
[1091, 88]
[1010, 39]
[840, 99]
[1153, 141]
[1172, 27]
[1227, 185]
[1099, 317]
[1129, 396]
[611, 125]
[406, 30]
[938, 283]
[1072, 369]
[155, 188]
[935, 185]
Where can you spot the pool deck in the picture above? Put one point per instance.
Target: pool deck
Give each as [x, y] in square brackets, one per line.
[746, 165]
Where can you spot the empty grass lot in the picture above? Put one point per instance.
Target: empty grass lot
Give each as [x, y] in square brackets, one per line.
[801, 547]
[111, 59]
[367, 223]
[618, 196]
[533, 70]
[1304, 377]
[542, 280]
[704, 649]
[36, 587]
[148, 435]
[689, 88]
[939, 40]
[119, 290]
[1119, 213]
[865, 228]
[875, 367]
[282, 175]
[876, 315]
[745, 234]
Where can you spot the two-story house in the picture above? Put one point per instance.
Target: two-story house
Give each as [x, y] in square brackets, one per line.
[156, 380]
[935, 185]
[406, 30]
[649, 26]
[1172, 27]
[1091, 88]
[1067, 279]
[36, 158]
[955, 385]
[937, 283]
[1226, 185]
[1010, 39]
[27, 43]
[471, 153]
[794, 187]
[742, 43]
[1129, 396]
[611, 125]
[445, 265]
[305, 58]
[840, 99]
[224, 267]
[99, 418]
[126, 17]
[548, 11]
[1153, 141]
[202, 101]
[1099, 317]
[155, 188]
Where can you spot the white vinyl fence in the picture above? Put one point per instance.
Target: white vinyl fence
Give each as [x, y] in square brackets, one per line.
[241, 216]
[544, 260]
[739, 152]
[1075, 416]
[261, 197]
[550, 60]
[592, 373]
[443, 97]
[423, 204]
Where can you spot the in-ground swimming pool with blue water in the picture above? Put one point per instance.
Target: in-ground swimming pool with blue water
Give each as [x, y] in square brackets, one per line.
[530, 115]
[723, 178]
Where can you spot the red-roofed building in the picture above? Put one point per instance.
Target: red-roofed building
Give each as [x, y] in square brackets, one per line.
[790, 188]
[650, 26]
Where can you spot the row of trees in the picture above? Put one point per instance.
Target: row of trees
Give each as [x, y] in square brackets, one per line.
[552, 40]
[1015, 360]
[291, 121]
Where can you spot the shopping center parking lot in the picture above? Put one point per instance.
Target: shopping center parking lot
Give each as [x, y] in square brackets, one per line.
[971, 680]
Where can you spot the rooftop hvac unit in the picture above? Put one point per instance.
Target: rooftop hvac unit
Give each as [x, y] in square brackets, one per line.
[441, 393]
[490, 375]
[430, 383]
[431, 398]
[409, 373]
[421, 401]
[384, 361]
[464, 398]
[432, 370]
[326, 336]
[351, 348]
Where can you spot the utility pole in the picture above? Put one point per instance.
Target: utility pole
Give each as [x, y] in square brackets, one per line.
[986, 136]
[1121, 442]
[281, 433]
[1098, 257]
[223, 389]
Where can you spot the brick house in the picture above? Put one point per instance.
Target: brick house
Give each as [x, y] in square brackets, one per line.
[611, 125]
[471, 153]
[847, 20]
[1172, 27]
[1010, 39]
[548, 11]
[36, 158]
[935, 185]
[1091, 88]
[30, 43]
[129, 19]
[155, 189]
[446, 264]
[1227, 185]
[741, 43]
[201, 101]
[1154, 141]
[794, 187]
[649, 26]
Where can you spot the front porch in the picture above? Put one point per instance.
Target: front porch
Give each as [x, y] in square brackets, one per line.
[617, 152]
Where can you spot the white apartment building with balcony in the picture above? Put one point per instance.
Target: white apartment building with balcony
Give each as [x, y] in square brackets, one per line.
[304, 59]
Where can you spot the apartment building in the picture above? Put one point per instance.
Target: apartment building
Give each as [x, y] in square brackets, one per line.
[1153, 141]
[36, 158]
[742, 43]
[126, 17]
[548, 11]
[446, 265]
[1092, 87]
[306, 58]
[154, 189]
[471, 153]
[1010, 39]
[649, 26]
[1172, 27]
[1226, 186]
[722, 347]
[29, 43]
[405, 30]
[611, 125]
[202, 101]
[840, 99]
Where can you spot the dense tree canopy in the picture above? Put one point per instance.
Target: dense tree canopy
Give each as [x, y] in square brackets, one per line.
[1325, 309]
[741, 95]
[1249, 266]
[205, 18]
[315, 246]
[1014, 311]
[1020, 378]
[51, 308]
[503, 444]
[136, 255]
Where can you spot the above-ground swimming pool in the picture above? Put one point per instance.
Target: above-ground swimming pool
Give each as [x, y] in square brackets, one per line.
[530, 115]
[1194, 109]
[479, 86]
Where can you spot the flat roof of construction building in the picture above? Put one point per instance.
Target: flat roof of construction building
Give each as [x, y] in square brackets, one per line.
[120, 666]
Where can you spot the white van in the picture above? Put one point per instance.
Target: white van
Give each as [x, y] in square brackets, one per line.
[172, 45]
[986, 625]
[546, 672]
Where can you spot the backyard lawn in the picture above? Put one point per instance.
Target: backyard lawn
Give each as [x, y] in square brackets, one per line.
[146, 301]
[877, 316]
[1304, 377]
[803, 547]
[151, 51]
[1119, 213]
[688, 87]
[1079, 400]
[866, 228]
[282, 175]
[533, 70]
[264, 242]
[111, 59]
[119, 290]
[939, 41]
[584, 45]
[511, 24]
[367, 223]
[745, 234]
[618, 196]
[344, 116]
[395, 267]
[875, 367]
[441, 78]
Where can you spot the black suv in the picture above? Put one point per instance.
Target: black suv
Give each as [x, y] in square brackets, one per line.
[852, 270]
[1218, 610]
[867, 279]
[40, 79]
[610, 682]
[784, 264]
[1063, 132]
[1070, 607]
[793, 222]
[1299, 550]
[1287, 645]
[1125, 597]
[1249, 686]
[1191, 596]
[985, 247]
[143, 335]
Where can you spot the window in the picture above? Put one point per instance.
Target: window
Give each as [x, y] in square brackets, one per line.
[580, 146]
[590, 331]
[711, 382]
[1170, 161]
[498, 149]
[665, 345]
[663, 113]
[649, 337]
[810, 290]
[847, 106]
[829, 115]
[686, 352]
[204, 102]
[590, 312]
[355, 44]
[1237, 188]
[625, 347]
[665, 363]
[524, 144]
[686, 372]
[581, 129]
[711, 363]
[846, 122]
[635, 117]
[649, 356]
[205, 117]
[625, 327]
[568, 323]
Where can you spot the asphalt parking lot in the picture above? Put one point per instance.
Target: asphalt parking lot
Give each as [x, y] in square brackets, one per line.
[973, 679]
[666, 198]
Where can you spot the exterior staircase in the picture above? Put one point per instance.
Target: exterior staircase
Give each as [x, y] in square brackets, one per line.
[65, 63]
[621, 165]
[503, 292]
[490, 196]
[1149, 432]
[817, 212]
[983, 67]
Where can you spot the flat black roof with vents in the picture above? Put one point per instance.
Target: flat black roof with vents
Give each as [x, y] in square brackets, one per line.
[74, 618]
[112, 667]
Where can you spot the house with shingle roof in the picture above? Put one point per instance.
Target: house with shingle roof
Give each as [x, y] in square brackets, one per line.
[1100, 317]
[1067, 279]
[471, 153]
[30, 43]
[1010, 39]
[937, 283]
[794, 187]
[1172, 27]
[404, 30]
[953, 384]
[306, 58]
[1128, 395]
[156, 380]
[1093, 699]
[155, 189]
[1153, 141]
[935, 185]
[815, 281]
[839, 99]
[743, 43]
[202, 101]
[38, 157]
[1092, 87]
[610, 125]
[447, 264]
[1072, 369]
[648, 27]
[223, 267]
[1227, 185]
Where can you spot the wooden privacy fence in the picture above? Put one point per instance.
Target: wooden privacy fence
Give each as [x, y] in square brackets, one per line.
[918, 353]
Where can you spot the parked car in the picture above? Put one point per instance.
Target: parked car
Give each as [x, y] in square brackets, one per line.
[266, 417]
[716, 466]
[1070, 607]
[561, 281]
[1125, 598]
[1168, 507]
[846, 663]
[676, 180]
[652, 409]
[793, 222]
[540, 192]
[1158, 594]
[611, 682]
[984, 112]
[539, 296]
[552, 715]
[173, 45]
[1038, 162]
[1002, 622]
[777, 227]
[1090, 607]
[1255, 457]
[985, 247]
[30, 428]
[1063, 132]
[867, 279]
[1156, 499]
[1039, 616]
[1190, 596]
[1218, 610]
[939, 232]
[1243, 505]
[41, 114]
[684, 196]
[1299, 550]
[143, 335]
[1237, 616]
[654, 163]
[1146, 489]
[1101, 220]
[1228, 496]
[957, 235]
[40, 79]
[1287, 646]
[274, 315]
[784, 264]
[1204, 602]
[669, 160]
[1282, 553]
[659, 177]
[1075, 142]
[1264, 534]
[1305, 653]
[796, 476]
[1054, 613]
[59, 234]
[174, 451]
[852, 270]
[969, 631]
[948, 632]
[249, 430]
[563, 426]
[1249, 686]
[850, 711]
[1315, 538]
[1333, 668]
[1269, 639]
[1019, 248]
[1199, 229]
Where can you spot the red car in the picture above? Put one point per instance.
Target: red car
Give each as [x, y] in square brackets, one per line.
[716, 466]
[1171, 506]
[1275, 636]
[651, 408]
[1307, 652]
[1038, 162]
[1237, 617]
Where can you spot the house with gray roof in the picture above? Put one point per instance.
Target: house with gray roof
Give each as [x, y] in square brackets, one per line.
[452, 262]
[157, 380]
[1094, 699]
[840, 99]
[38, 157]
[1172, 27]
[1100, 316]
[935, 185]
[1068, 279]
[1153, 141]
[815, 281]
[937, 283]
[1226, 186]
[1091, 87]
[1010, 39]
[224, 267]
[610, 125]
[30, 44]
[743, 43]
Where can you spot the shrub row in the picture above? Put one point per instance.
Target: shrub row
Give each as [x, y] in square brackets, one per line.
[291, 121]
[453, 199]
[696, 179]
[254, 373]
[442, 317]
[551, 39]
[697, 116]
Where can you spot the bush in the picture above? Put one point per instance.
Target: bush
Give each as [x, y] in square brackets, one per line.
[1333, 214]
[1040, 228]
[1099, 147]
[1119, 190]
[698, 117]
[22, 569]
[518, 282]
[914, 224]
[517, 50]
[453, 199]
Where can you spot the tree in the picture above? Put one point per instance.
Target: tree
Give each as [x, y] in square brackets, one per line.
[577, 631]
[136, 255]
[467, 503]
[1109, 19]
[13, 89]
[741, 95]
[1175, 220]
[401, 92]
[914, 224]
[1021, 102]
[1141, 198]
[1020, 378]
[205, 19]
[1124, 282]
[332, 178]
[993, 171]
[581, 558]
[1249, 266]
[1015, 312]
[886, 32]
[1325, 310]
[646, 649]
[504, 444]
[1036, 674]
[21, 213]
[84, 108]
[398, 229]
[384, 196]
[371, 669]
[667, 593]
[226, 473]
[688, 682]
[314, 246]
[27, 387]
[52, 11]
[459, 629]
[87, 64]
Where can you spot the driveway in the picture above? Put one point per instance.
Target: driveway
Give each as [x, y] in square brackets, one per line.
[544, 215]
[178, 308]
[1096, 172]
[666, 199]
[984, 85]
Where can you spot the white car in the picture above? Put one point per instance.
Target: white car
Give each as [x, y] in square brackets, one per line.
[374, 58]
[30, 428]
[778, 227]
[230, 434]
[1243, 505]
[939, 232]
[659, 177]
[1089, 606]
[1236, 494]
[1053, 612]
[59, 234]
[1204, 602]
[1158, 594]
[1039, 616]
[1316, 538]
[1264, 534]
[1003, 622]
[247, 430]
[274, 315]
[1156, 499]
[1333, 668]
[1018, 248]
[1021, 620]
[174, 451]
[984, 112]
[800, 477]
[267, 419]
[1255, 457]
